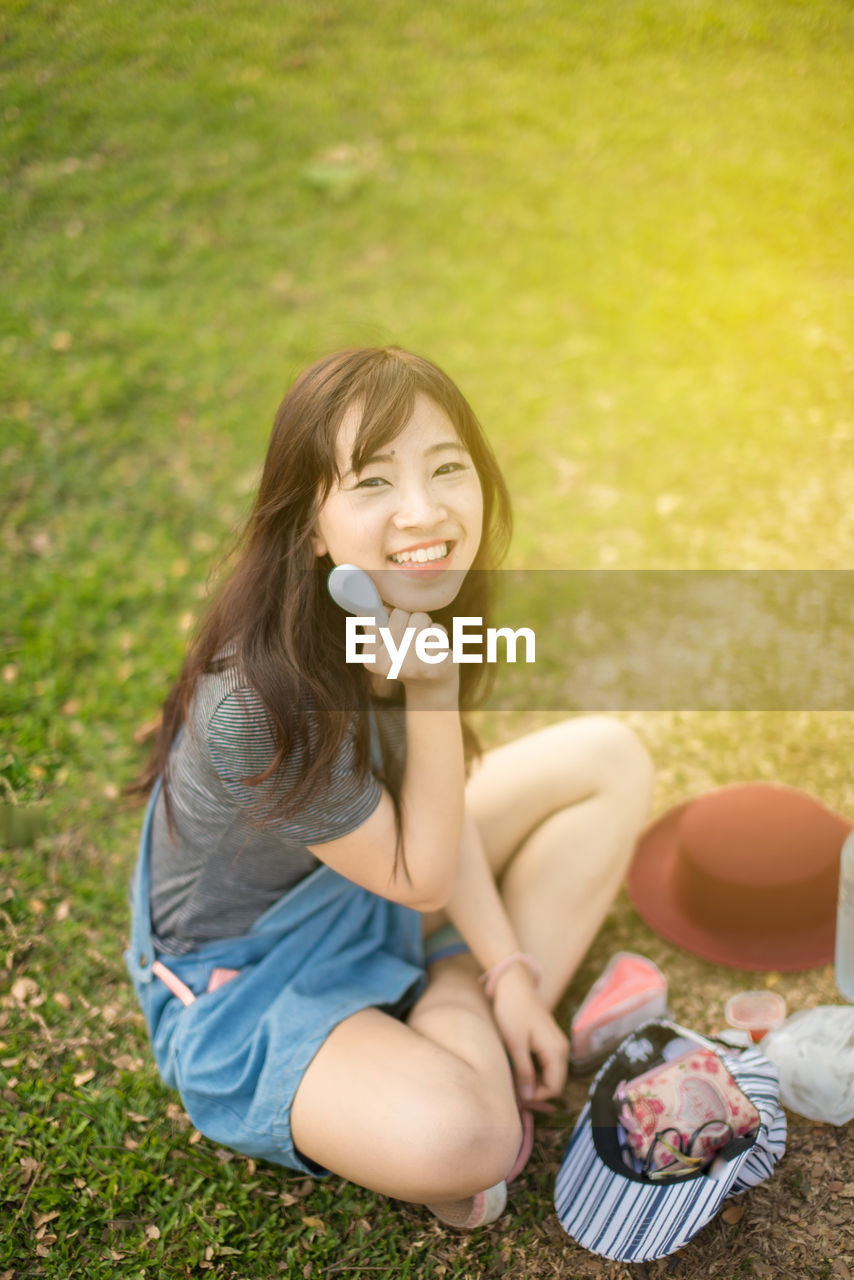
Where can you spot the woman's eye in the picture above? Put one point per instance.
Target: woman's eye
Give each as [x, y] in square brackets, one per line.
[371, 482]
[448, 467]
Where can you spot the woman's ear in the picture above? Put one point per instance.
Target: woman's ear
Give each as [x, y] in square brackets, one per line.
[318, 545]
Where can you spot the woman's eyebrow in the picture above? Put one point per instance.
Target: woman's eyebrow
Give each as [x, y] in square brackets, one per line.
[390, 457]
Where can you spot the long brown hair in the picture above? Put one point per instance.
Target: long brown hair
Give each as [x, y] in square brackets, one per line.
[273, 619]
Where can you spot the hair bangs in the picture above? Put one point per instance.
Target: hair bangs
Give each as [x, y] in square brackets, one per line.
[388, 402]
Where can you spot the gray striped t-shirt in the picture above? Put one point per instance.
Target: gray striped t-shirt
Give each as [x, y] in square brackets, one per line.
[221, 867]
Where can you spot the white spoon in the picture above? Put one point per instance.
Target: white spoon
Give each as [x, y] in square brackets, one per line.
[354, 592]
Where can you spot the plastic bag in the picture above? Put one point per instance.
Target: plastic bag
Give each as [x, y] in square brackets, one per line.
[814, 1053]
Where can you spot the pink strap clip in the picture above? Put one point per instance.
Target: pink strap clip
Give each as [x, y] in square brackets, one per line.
[491, 976]
[173, 982]
[218, 978]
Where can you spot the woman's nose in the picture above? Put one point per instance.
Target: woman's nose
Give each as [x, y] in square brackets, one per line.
[418, 508]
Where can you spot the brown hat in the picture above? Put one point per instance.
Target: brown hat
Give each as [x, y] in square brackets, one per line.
[745, 876]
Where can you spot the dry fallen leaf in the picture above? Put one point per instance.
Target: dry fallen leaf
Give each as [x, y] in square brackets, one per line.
[83, 1077]
[152, 1232]
[39, 543]
[24, 989]
[733, 1213]
[317, 1223]
[45, 1217]
[29, 1167]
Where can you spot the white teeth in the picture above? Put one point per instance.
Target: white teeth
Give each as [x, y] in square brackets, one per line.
[422, 555]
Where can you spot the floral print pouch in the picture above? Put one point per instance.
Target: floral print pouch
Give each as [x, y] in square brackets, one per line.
[676, 1116]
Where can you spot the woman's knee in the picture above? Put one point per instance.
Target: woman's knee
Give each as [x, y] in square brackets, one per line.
[622, 764]
[468, 1141]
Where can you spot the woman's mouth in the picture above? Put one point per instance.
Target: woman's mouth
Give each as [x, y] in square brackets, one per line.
[430, 557]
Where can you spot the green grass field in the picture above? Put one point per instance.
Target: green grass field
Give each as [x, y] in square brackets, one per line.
[626, 230]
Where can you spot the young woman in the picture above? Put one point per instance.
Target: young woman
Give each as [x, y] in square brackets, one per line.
[347, 950]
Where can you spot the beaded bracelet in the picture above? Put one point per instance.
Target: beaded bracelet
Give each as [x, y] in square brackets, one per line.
[491, 976]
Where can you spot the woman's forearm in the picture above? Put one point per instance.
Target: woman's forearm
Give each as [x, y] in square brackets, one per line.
[537, 1047]
[475, 906]
[432, 799]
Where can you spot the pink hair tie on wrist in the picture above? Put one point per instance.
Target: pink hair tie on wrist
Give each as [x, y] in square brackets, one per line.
[491, 976]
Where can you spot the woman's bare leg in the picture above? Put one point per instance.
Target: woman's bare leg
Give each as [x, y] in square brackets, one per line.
[423, 1111]
[426, 1112]
[559, 812]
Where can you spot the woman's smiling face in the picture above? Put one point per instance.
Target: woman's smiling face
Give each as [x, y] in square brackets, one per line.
[412, 517]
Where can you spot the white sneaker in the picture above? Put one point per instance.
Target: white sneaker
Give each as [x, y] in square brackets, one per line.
[473, 1211]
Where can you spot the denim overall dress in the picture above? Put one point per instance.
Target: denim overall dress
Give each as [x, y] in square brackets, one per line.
[241, 1019]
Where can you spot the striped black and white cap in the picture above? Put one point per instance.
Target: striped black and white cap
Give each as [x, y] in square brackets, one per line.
[607, 1207]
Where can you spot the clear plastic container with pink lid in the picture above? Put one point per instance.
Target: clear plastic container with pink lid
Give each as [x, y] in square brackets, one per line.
[756, 1012]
